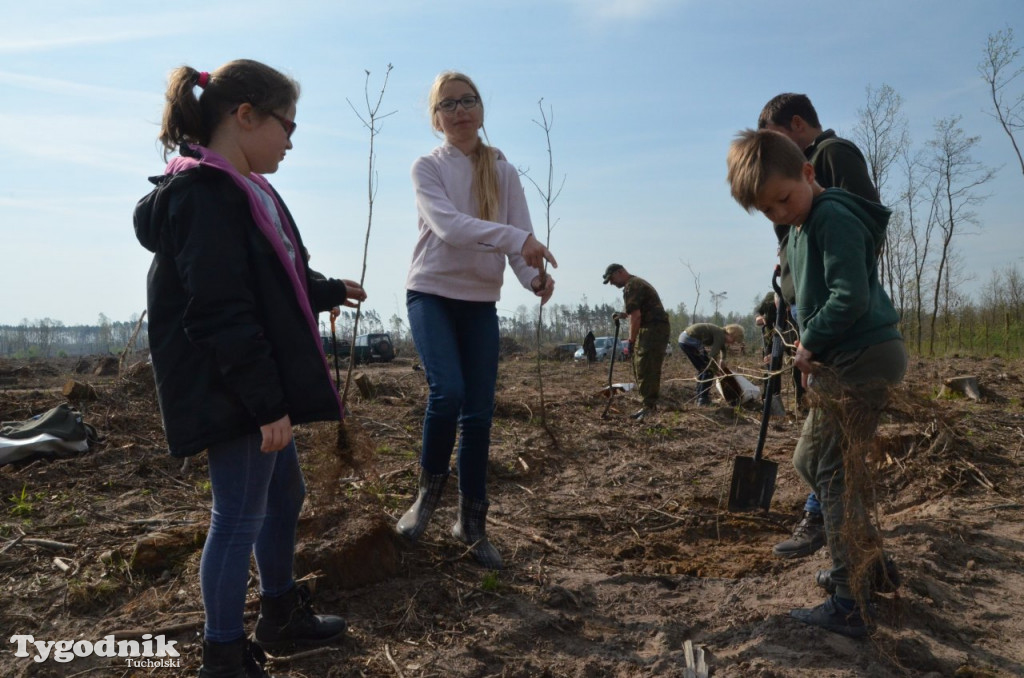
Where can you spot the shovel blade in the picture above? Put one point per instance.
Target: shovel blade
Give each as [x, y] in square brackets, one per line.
[753, 484]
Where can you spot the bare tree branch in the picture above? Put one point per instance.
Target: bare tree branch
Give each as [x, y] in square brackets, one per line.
[696, 285]
[372, 123]
[548, 196]
[956, 176]
[997, 69]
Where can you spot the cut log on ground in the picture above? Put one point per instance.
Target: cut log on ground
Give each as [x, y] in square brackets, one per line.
[965, 385]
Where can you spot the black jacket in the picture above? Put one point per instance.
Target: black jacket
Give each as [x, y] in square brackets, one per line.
[232, 348]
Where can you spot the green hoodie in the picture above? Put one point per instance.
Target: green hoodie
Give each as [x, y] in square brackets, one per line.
[834, 258]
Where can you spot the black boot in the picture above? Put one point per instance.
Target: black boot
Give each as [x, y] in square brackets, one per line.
[808, 537]
[288, 621]
[471, 528]
[237, 659]
[414, 522]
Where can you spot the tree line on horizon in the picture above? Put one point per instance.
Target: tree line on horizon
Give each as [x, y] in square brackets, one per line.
[991, 325]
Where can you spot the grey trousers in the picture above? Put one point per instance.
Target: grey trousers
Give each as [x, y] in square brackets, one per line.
[842, 425]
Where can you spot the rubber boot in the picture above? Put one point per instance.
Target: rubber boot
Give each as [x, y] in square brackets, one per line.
[288, 621]
[237, 659]
[414, 522]
[471, 528]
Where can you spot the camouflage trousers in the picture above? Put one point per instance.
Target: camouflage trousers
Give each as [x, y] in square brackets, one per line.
[648, 355]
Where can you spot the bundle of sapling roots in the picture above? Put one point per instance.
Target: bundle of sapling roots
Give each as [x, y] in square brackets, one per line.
[851, 413]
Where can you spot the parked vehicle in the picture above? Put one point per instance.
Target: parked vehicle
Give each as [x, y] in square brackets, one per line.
[373, 348]
[344, 346]
[565, 351]
[602, 347]
[370, 348]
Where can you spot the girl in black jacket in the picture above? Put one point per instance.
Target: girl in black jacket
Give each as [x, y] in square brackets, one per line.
[236, 347]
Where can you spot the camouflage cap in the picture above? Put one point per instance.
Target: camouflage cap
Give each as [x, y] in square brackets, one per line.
[610, 270]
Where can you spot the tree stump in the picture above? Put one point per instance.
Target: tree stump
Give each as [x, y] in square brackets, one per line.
[166, 550]
[106, 366]
[77, 391]
[965, 385]
[365, 386]
[140, 373]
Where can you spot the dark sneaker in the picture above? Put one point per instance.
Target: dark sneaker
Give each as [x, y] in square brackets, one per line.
[884, 579]
[808, 537]
[832, 616]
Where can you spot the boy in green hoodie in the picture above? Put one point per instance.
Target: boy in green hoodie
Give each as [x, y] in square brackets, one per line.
[847, 331]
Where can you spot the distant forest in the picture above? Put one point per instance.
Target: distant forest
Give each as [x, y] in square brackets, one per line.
[994, 325]
[48, 338]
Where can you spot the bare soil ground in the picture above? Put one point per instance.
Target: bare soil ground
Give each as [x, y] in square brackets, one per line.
[618, 544]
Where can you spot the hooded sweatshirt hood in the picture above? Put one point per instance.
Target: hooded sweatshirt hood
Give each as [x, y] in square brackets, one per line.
[873, 216]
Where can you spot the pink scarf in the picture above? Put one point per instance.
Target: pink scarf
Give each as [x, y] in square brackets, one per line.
[264, 221]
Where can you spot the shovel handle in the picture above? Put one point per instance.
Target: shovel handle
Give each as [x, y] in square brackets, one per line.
[611, 365]
[781, 309]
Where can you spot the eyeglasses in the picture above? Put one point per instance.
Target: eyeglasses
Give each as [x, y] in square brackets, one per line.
[289, 125]
[449, 105]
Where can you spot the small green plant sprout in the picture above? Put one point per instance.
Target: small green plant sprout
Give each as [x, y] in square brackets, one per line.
[22, 503]
[491, 582]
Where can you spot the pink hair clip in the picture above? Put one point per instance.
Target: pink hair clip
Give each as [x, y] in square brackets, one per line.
[204, 79]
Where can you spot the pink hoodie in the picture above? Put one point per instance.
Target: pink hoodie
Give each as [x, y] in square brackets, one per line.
[459, 256]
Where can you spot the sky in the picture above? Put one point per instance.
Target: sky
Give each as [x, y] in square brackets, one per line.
[644, 97]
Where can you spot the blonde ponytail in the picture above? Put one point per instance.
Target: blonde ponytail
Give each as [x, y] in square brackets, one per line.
[485, 182]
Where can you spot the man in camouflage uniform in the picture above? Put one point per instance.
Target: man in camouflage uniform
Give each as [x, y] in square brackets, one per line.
[648, 333]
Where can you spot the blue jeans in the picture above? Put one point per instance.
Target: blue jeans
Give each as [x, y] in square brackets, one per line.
[457, 342]
[812, 505]
[256, 502]
[698, 356]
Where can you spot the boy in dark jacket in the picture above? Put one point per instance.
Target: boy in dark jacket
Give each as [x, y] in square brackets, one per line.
[848, 333]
